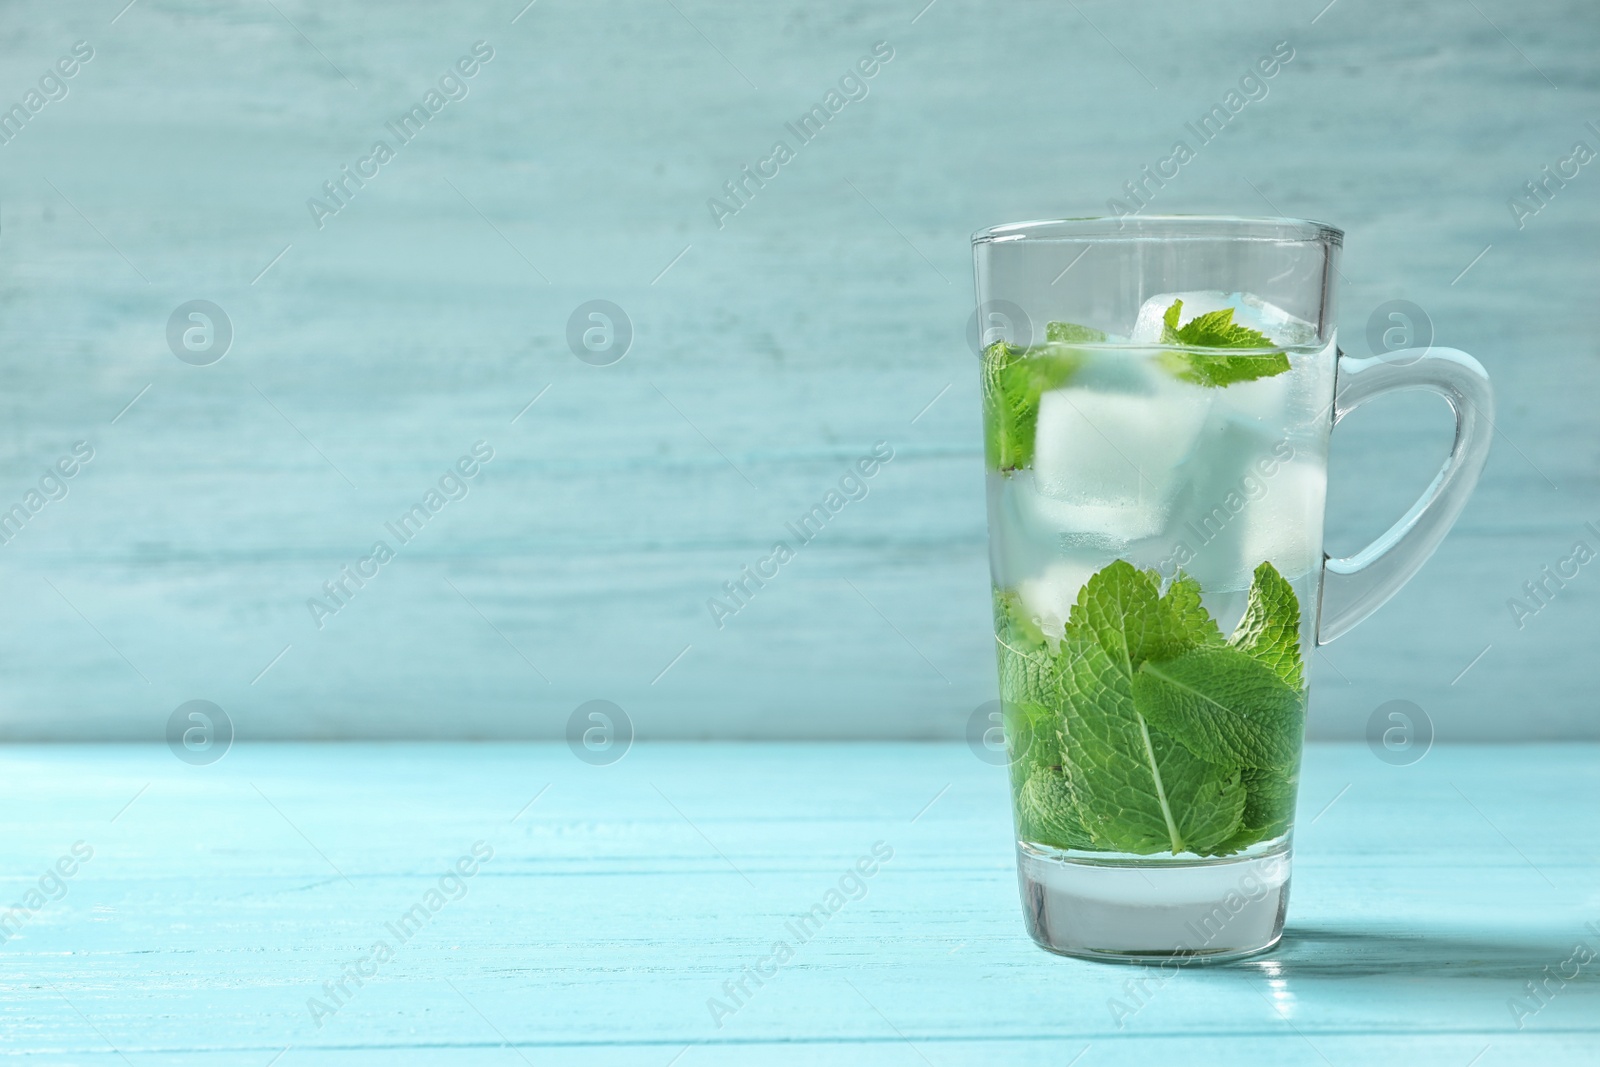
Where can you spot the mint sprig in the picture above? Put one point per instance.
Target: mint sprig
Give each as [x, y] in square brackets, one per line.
[1013, 380]
[1166, 737]
[1216, 330]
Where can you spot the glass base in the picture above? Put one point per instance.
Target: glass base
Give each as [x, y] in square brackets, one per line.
[1135, 909]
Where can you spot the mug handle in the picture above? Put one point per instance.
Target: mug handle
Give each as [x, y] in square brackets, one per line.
[1353, 587]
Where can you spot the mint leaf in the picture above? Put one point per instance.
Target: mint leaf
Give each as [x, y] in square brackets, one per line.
[1072, 333]
[1030, 691]
[1121, 608]
[1135, 789]
[1033, 738]
[1118, 608]
[1144, 731]
[1188, 621]
[1214, 330]
[1045, 812]
[1270, 629]
[1027, 673]
[1214, 371]
[1013, 380]
[1224, 705]
[1268, 806]
[1030, 700]
[1169, 323]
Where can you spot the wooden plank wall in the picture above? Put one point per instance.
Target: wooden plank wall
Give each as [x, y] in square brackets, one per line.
[374, 345]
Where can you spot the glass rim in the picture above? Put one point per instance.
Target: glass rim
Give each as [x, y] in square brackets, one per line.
[1107, 229]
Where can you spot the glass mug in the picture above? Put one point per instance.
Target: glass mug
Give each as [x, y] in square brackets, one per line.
[1158, 396]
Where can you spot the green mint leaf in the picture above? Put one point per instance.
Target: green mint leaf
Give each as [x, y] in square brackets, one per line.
[1268, 807]
[1118, 609]
[1270, 629]
[1216, 371]
[1135, 789]
[1002, 448]
[1072, 333]
[1224, 705]
[1144, 731]
[1027, 673]
[1121, 608]
[1013, 380]
[1169, 323]
[1030, 691]
[1033, 738]
[1045, 812]
[1214, 330]
[1188, 622]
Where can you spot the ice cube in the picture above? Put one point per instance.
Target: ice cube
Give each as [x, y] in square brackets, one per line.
[1263, 402]
[1021, 541]
[1281, 327]
[1284, 525]
[1273, 519]
[1030, 532]
[1220, 479]
[1048, 597]
[1106, 463]
[1042, 523]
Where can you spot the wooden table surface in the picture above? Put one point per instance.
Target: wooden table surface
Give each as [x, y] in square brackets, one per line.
[174, 914]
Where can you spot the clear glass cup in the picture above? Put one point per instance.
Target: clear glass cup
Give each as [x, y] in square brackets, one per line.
[1158, 398]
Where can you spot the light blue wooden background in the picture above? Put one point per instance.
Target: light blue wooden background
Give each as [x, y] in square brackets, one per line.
[219, 899]
[826, 315]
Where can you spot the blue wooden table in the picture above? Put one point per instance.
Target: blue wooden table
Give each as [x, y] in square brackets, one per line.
[534, 907]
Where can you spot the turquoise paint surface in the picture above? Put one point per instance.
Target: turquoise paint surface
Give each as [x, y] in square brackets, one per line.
[776, 337]
[605, 907]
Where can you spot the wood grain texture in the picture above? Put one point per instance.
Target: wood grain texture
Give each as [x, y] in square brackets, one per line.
[619, 898]
[825, 315]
